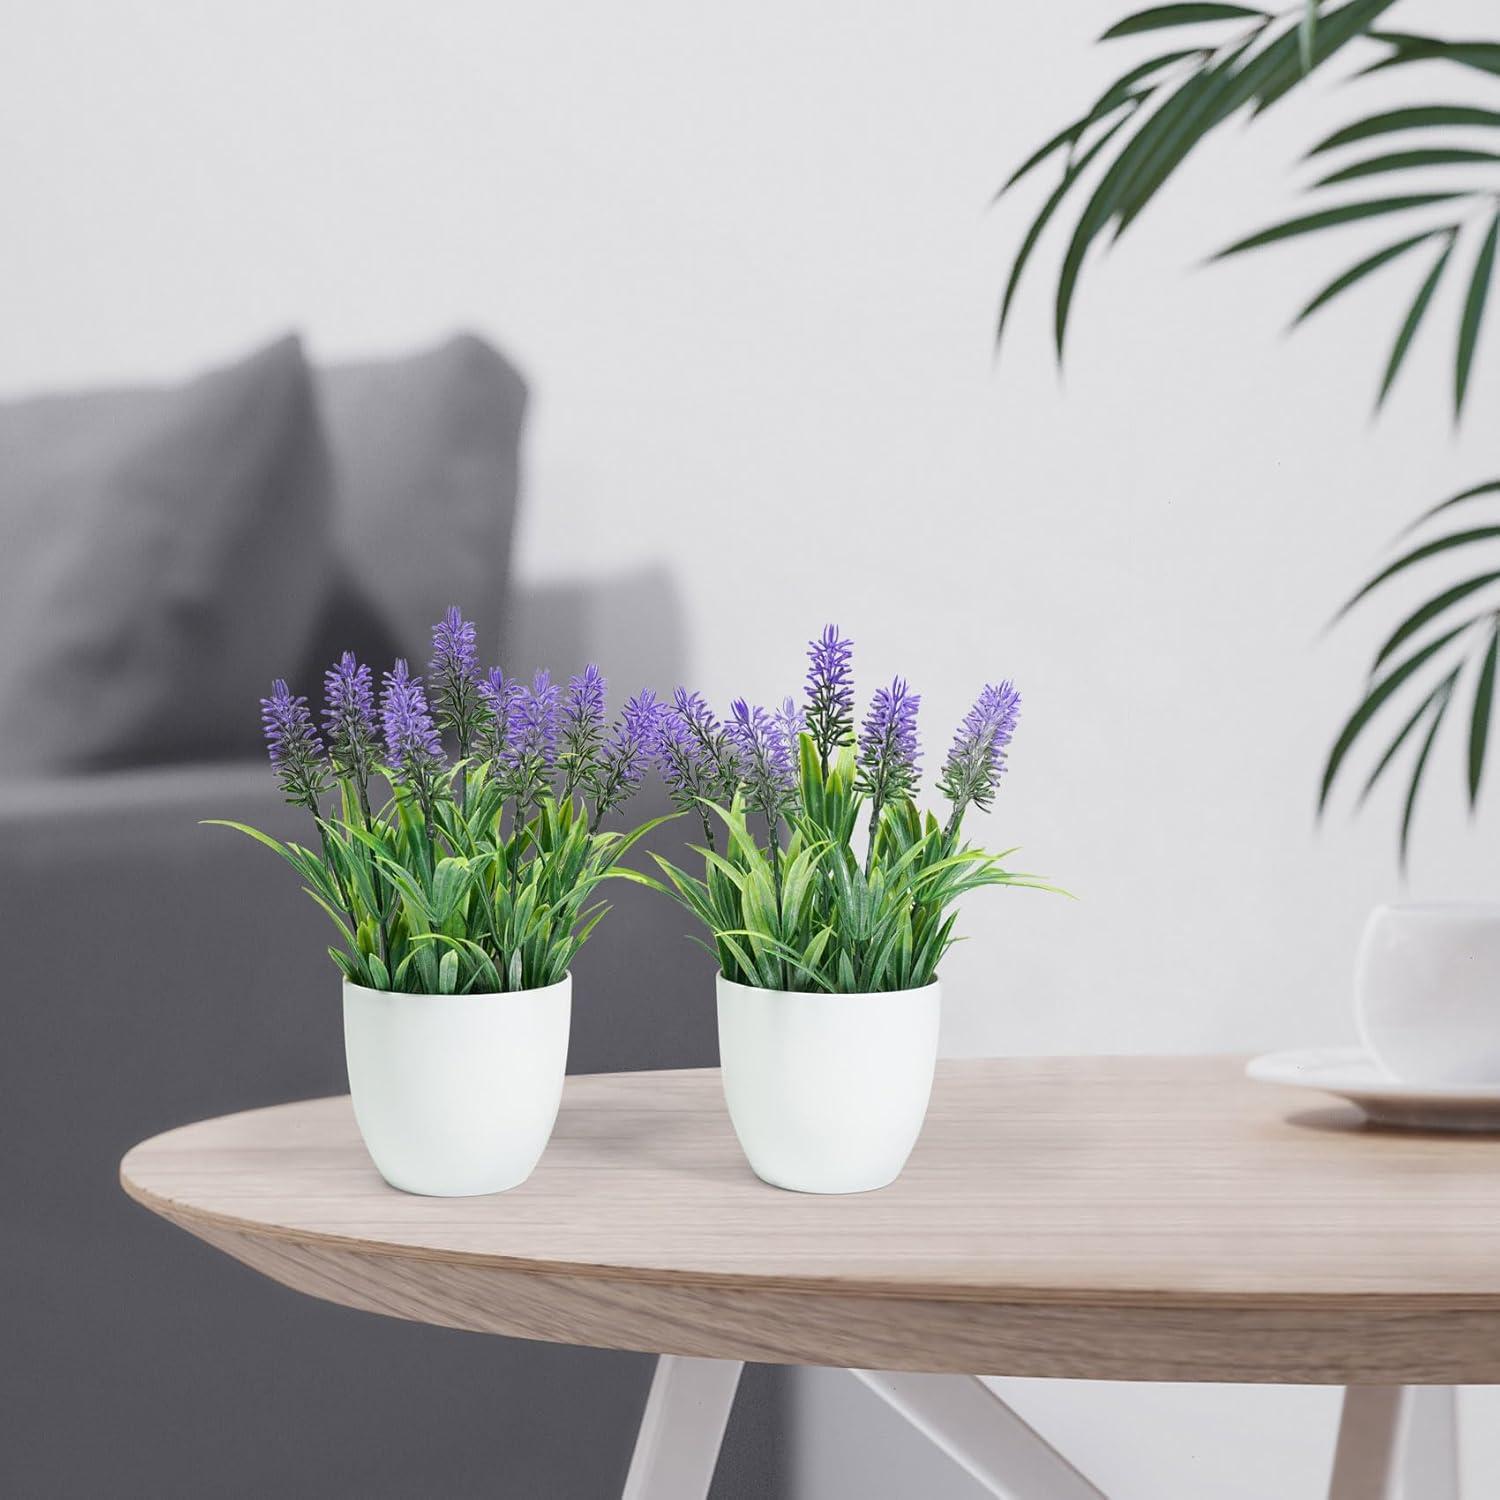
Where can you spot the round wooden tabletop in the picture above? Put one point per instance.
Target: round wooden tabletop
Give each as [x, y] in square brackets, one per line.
[1107, 1218]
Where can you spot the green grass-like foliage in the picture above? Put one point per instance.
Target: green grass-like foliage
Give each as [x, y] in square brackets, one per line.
[809, 915]
[481, 898]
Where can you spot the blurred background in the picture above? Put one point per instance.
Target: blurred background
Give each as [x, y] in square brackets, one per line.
[666, 336]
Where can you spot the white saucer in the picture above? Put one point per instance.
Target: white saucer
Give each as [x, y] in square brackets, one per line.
[1353, 1074]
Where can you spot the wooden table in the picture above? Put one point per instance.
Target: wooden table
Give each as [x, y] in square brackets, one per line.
[1106, 1218]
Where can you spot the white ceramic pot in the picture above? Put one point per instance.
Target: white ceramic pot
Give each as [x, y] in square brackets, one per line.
[456, 1094]
[1427, 992]
[827, 1093]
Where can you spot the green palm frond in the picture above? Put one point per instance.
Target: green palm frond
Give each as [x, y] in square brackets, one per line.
[1433, 166]
[1140, 130]
[1451, 636]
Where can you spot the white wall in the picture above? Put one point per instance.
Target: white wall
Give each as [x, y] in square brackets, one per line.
[745, 257]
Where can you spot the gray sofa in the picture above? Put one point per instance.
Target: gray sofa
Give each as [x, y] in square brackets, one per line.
[157, 972]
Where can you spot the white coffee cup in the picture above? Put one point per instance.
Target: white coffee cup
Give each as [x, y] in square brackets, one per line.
[1427, 992]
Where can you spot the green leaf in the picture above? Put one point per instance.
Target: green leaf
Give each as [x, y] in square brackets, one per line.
[1428, 612]
[1180, 125]
[1479, 722]
[1358, 272]
[1159, 17]
[1307, 35]
[1282, 69]
[1415, 117]
[1373, 701]
[1330, 218]
[1023, 255]
[1407, 48]
[1109, 193]
[1418, 768]
[448, 972]
[380, 978]
[1445, 685]
[1121, 92]
[1420, 554]
[1490, 487]
[1473, 314]
[1403, 161]
[1413, 320]
[348, 967]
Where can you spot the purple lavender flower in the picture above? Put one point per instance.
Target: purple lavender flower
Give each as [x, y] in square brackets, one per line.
[502, 701]
[349, 721]
[791, 721]
[626, 757]
[830, 692]
[412, 746]
[765, 755]
[698, 760]
[538, 724]
[534, 740]
[581, 728]
[295, 749]
[889, 752]
[454, 673]
[977, 759]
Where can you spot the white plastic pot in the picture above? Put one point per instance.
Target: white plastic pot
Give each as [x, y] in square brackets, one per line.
[456, 1094]
[827, 1093]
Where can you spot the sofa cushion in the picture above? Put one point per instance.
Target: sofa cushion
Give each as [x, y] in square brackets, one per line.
[426, 461]
[162, 557]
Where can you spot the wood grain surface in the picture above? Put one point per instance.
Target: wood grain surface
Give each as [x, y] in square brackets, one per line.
[1111, 1218]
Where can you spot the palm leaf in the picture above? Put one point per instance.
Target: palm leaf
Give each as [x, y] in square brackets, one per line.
[1440, 604]
[1489, 487]
[1419, 768]
[1034, 233]
[1159, 17]
[1479, 720]
[1373, 701]
[1330, 218]
[1473, 314]
[1357, 273]
[1121, 92]
[1405, 161]
[1413, 319]
[1412, 117]
[1445, 685]
[1420, 554]
[1407, 48]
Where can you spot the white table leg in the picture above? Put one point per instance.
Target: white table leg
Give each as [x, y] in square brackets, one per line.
[683, 1426]
[1429, 1444]
[979, 1432]
[1396, 1442]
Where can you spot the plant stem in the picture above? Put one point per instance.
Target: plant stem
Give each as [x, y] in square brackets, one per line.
[875, 806]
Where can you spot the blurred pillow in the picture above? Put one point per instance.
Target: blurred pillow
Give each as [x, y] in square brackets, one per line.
[162, 557]
[426, 465]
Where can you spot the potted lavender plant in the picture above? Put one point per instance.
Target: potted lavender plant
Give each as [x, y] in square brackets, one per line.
[828, 992]
[460, 897]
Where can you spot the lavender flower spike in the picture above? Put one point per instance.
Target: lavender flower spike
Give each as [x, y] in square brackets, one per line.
[765, 757]
[295, 749]
[888, 748]
[581, 728]
[977, 759]
[412, 745]
[349, 720]
[539, 719]
[790, 720]
[830, 693]
[454, 673]
[626, 757]
[501, 700]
